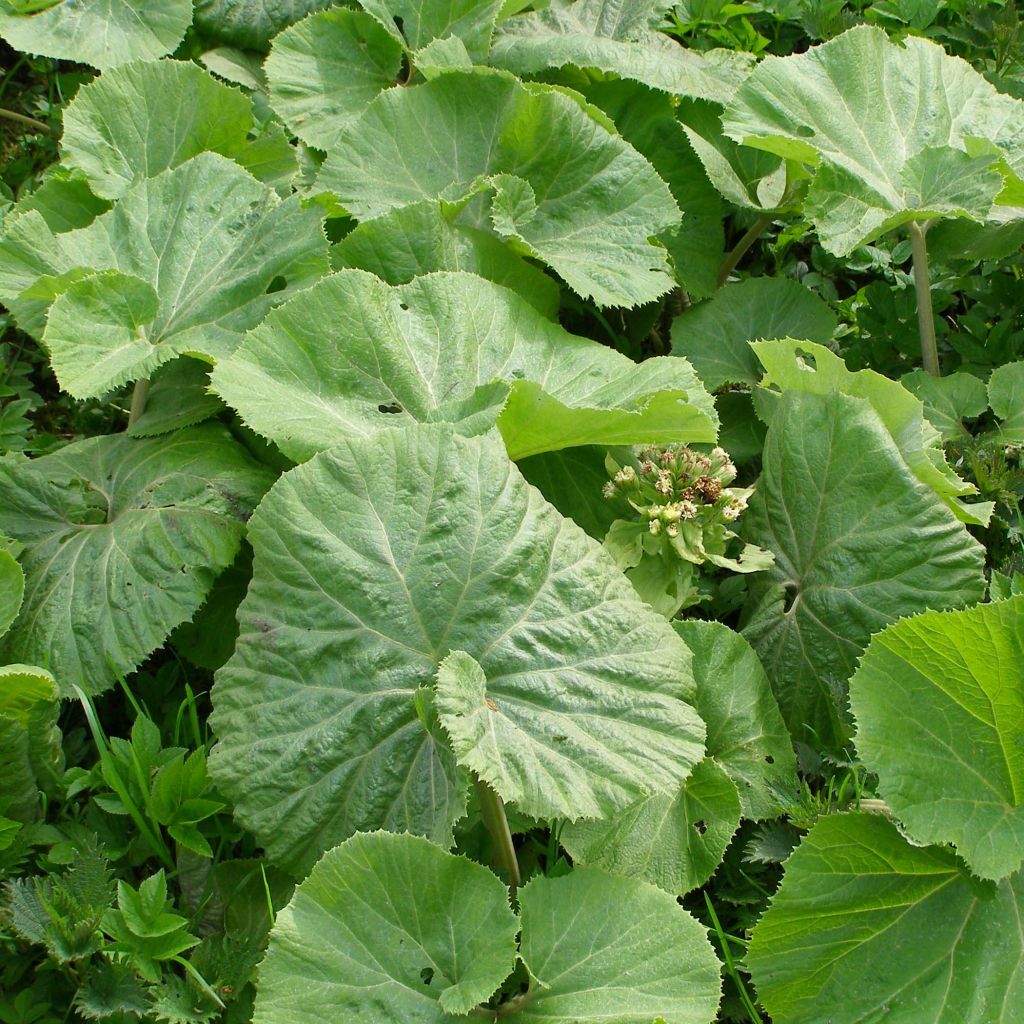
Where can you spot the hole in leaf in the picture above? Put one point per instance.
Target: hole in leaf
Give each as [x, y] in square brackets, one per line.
[805, 131]
[392, 407]
[403, 305]
[701, 826]
[768, 759]
[427, 975]
[277, 285]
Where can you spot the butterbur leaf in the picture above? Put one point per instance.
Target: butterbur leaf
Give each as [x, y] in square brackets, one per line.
[448, 347]
[1006, 397]
[141, 119]
[419, 239]
[675, 841]
[566, 190]
[251, 24]
[746, 733]
[442, 939]
[948, 400]
[439, 936]
[217, 242]
[939, 704]
[123, 540]
[715, 335]
[891, 128]
[858, 542]
[178, 396]
[325, 70]
[386, 553]
[864, 920]
[64, 199]
[103, 33]
[611, 36]
[792, 365]
[423, 21]
[12, 587]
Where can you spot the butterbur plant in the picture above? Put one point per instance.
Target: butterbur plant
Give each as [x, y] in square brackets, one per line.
[684, 516]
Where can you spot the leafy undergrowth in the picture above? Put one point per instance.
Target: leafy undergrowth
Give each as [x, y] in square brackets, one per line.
[511, 511]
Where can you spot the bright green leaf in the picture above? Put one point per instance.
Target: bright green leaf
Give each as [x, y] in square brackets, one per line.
[123, 540]
[939, 704]
[12, 587]
[866, 924]
[563, 188]
[858, 543]
[433, 350]
[386, 553]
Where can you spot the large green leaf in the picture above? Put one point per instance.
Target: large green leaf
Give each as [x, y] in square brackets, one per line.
[251, 24]
[103, 33]
[939, 704]
[136, 121]
[123, 540]
[715, 335]
[452, 347]
[388, 927]
[423, 21]
[372, 562]
[31, 756]
[867, 927]
[324, 71]
[889, 126]
[616, 36]
[858, 543]
[184, 263]
[746, 733]
[948, 400]
[419, 239]
[1006, 397]
[12, 586]
[560, 186]
[792, 365]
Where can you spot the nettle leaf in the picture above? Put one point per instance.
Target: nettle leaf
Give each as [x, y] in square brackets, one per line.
[746, 733]
[420, 239]
[793, 365]
[141, 119]
[948, 400]
[715, 335]
[890, 128]
[103, 33]
[251, 24]
[184, 264]
[864, 921]
[449, 347]
[123, 540]
[858, 542]
[563, 188]
[442, 939]
[384, 554]
[392, 927]
[1006, 397]
[939, 704]
[324, 71]
[611, 36]
[673, 841]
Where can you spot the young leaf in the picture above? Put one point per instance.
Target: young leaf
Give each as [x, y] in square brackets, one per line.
[612, 36]
[103, 33]
[792, 365]
[858, 543]
[388, 927]
[939, 704]
[563, 188]
[384, 554]
[448, 347]
[890, 128]
[141, 119]
[715, 335]
[864, 920]
[123, 540]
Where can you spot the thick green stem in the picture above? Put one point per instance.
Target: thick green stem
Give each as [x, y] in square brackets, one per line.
[492, 810]
[754, 232]
[30, 122]
[139, 396]
[925, 313]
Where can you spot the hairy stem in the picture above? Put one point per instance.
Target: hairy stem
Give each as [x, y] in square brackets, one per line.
[139, 396]
[492, 810]
[754, 232]
[925, 313]
[31, 122]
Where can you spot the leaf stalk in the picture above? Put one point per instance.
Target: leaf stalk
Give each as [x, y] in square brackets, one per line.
[754, 232]
[492, 810]
[925, 312]
[139, 396]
